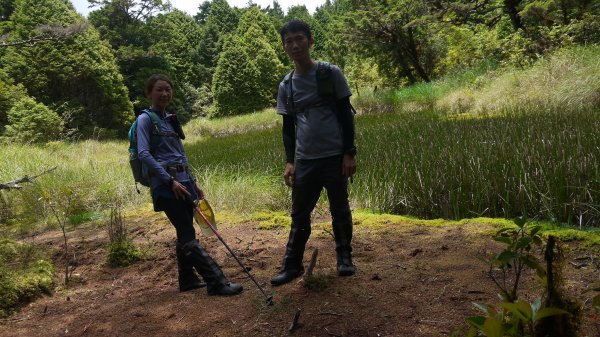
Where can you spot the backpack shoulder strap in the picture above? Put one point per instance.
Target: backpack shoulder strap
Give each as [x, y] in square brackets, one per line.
[155, 121]
[156, 130]
[289, 90]
[324, 79]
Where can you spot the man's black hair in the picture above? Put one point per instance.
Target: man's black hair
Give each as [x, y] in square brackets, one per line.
[294, 26]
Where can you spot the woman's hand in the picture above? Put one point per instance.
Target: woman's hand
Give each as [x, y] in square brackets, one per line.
[199, 192]
[180, 192]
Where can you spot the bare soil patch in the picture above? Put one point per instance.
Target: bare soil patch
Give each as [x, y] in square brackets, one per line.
[411, 281]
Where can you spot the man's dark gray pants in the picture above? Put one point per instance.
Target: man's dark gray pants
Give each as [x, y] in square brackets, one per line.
[310, 177]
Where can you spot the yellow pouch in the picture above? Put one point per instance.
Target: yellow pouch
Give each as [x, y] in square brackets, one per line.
[204, 207]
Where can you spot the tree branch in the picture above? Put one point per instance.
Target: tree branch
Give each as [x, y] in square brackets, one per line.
[25, 179]
[48, 33]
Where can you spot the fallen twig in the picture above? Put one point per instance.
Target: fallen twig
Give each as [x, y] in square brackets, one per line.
[313, 261]
[442, 293]
[330, 313]
[431, 321]
[331, 333]
[328, 232]
[294, 324]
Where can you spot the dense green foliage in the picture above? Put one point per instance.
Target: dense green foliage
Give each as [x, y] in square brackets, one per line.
[77, 77]
[23, 275]
[90, 72]
[249, 69]
[33, 122]
[122, 253]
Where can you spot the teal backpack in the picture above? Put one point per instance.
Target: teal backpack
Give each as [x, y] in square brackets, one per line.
[140, 171]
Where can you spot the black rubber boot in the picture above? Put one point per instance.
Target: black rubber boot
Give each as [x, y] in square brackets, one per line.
[188, 280]
[210, 271]
[342, 231]
[292, 266]
[286, 275]
[344, 264]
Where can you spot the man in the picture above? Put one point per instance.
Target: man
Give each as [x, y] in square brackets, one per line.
[319, 132]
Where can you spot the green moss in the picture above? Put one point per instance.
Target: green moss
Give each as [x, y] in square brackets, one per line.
[264, 215]
[317, 282]
[370, 220]
[228, 217]
[275, 222]
[378, 220]
[19, 286]
[588, 237]
[270, 219]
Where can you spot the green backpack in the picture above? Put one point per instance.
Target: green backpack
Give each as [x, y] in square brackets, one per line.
[140, 171]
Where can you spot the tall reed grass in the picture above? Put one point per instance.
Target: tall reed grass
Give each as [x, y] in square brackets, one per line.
[543, 165]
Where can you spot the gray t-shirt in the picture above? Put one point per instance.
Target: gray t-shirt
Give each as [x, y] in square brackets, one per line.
[318, 132]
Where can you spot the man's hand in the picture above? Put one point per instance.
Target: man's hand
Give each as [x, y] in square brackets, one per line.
[348, 166]
[180, 192]
[288, 174]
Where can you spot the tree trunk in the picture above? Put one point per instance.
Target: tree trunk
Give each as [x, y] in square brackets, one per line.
[414, 56]
[400, 57]
[510, 6]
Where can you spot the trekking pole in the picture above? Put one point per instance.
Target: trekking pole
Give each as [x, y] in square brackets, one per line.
[268, 298]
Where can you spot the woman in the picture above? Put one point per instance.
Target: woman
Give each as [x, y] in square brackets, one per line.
[174, 189]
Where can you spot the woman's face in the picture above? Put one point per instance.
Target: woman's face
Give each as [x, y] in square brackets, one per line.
[161, 95]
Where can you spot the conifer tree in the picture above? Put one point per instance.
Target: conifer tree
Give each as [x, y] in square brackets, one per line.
[234, 89]
[77, 77]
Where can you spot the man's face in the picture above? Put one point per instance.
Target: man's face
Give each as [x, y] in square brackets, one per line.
[297, 45]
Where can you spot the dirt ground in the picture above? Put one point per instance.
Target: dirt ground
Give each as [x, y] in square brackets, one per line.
[411, 281]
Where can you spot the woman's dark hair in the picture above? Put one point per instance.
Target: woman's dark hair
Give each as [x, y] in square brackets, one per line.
[294, 26]
[152, 81]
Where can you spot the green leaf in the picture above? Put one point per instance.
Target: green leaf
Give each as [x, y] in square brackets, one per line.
[504, 239]
[493, 327]
[520, 221]
[546, 312]
[482, 307]
[596, 301]
[472, 331]
[505, 257]
[535, 229]
[531, 262]
[476, 321]
[502, 230]
[523, 242]
[522, 309]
